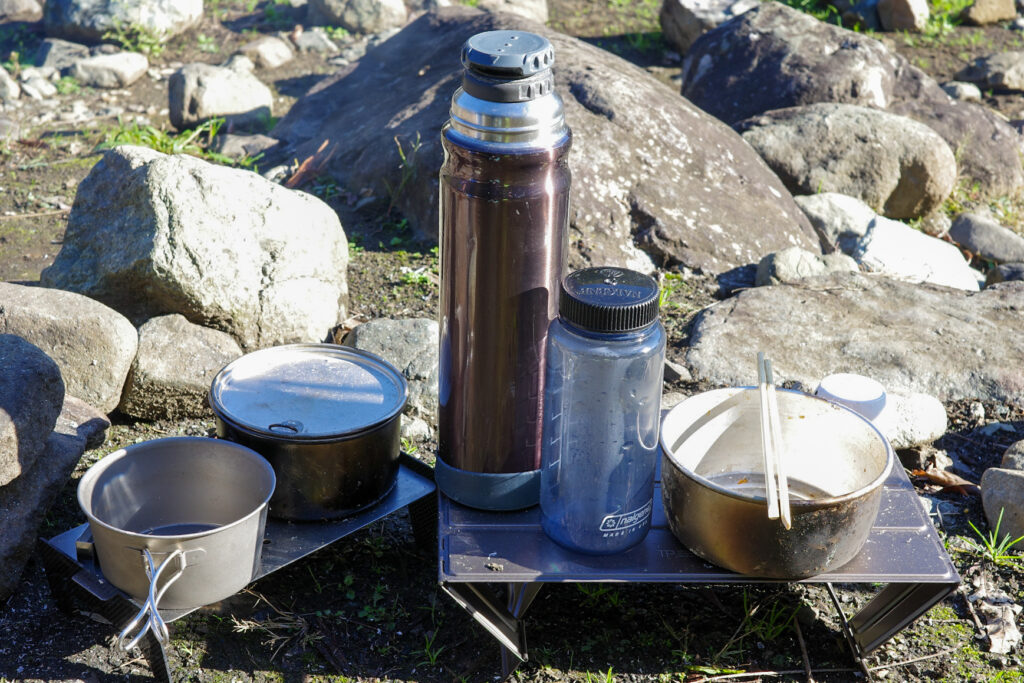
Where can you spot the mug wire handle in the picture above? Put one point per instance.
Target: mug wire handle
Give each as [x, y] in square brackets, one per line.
[148, 618]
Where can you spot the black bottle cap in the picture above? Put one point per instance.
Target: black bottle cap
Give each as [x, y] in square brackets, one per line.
[508, 66]
[609, 299]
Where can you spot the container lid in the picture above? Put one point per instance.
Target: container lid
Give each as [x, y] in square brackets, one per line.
[507, 54]
[609, 299]
[308, 391]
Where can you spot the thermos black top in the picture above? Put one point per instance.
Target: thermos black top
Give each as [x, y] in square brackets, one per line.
[507, 54]
[609, 300]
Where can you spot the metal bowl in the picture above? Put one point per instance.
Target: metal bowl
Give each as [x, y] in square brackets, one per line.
[713, 483]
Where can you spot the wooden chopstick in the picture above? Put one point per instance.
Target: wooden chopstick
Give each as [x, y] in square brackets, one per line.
[767, 442]
[778, 448]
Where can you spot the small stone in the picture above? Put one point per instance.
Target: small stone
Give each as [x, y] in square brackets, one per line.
[415, 428]
[794, 264]
[903, 15]
[361, 16]
[29, 11]
[236, 146]
[111, 71]
[314, 40]
[674, 372]
[965, 92]
[268, 52]
[983, 236]
[984, 12]
[198, 92]
[1005, 272]
[977, 412]
[1002, 491]
[60, 54]
[910, 420]
[40, 85]
[672, 399]
[9, 88]
[1013, 457]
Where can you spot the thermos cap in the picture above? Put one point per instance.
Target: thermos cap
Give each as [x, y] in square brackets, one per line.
[507, 54]
[607, 299]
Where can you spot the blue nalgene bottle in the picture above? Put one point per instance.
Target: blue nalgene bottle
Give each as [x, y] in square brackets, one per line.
[602, 405]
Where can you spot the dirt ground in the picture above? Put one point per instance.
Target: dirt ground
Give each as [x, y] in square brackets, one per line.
[369, 607]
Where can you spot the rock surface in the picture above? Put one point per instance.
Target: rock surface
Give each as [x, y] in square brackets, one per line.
[20, 10]
[883, 245]
[1003, 71]
[790, 265]
[92, 344]
[774, 57]
[534, 10]
[9, 88]
[683, 21]
[199, 92]
[1002, 491]
[912, 338]
[24, 502]
[31, 395]
[110, 71]
[411, 345]
[268, 52]
[903, 15]
[678, 198]
[897, 166]
[913, 419]
[985, 237]
[174, 368]
[982, 12]
[1013, 457]
[361, 16]
[88, 20]
[1005, 272]
[60, 54]
[223, 247]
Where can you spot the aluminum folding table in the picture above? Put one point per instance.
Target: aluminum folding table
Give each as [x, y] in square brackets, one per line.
[74, 578]
[481, 551]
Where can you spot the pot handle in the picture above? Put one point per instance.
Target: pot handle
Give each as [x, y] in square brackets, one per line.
[148, 618]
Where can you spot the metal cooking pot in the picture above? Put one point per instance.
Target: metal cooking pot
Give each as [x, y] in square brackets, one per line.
[713, 483]
[327, 419]
[177, 522]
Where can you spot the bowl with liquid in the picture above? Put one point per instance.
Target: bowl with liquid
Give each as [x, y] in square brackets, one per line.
[713, 485]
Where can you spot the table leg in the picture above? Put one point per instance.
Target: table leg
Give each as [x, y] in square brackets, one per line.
[504, 622]
[894, 608]
[70, 583]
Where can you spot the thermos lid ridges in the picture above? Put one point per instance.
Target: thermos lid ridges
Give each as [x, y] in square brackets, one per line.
[507, 54]
[605, 299]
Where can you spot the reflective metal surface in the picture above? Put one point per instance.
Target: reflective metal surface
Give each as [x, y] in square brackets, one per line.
[221, 486]
[538, 123]
[503, 245]
[713, 484]
[308, 391]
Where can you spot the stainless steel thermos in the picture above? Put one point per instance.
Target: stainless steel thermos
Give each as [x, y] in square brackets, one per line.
[504, 198]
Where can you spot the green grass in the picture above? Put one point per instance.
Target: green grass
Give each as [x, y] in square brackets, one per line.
[194, 142]
[136, 38]
[994, 548]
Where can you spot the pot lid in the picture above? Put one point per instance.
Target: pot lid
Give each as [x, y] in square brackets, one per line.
[308, 391]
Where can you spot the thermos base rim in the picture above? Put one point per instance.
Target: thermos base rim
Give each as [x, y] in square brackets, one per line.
[486, 490]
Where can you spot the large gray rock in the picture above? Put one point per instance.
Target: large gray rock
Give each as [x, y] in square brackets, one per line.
[903, 15]
[534, 10]
[92, 344]
[638, 168]
[774, 57]
[1002, 491]
[199, 92]
[983, 12]
[985, 237]
[88, 20]
[223, 247]
[912, 338]
[897, 166]
[110, 71]
[683, 21]
[885, 246]
[412, 347]
[59, 54]
[999, 71]
[20, 10]
[31, 395]
[361, 16]
[25, 501]
[174, 368]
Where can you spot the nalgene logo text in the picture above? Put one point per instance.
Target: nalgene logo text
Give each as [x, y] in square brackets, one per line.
[617, 525]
